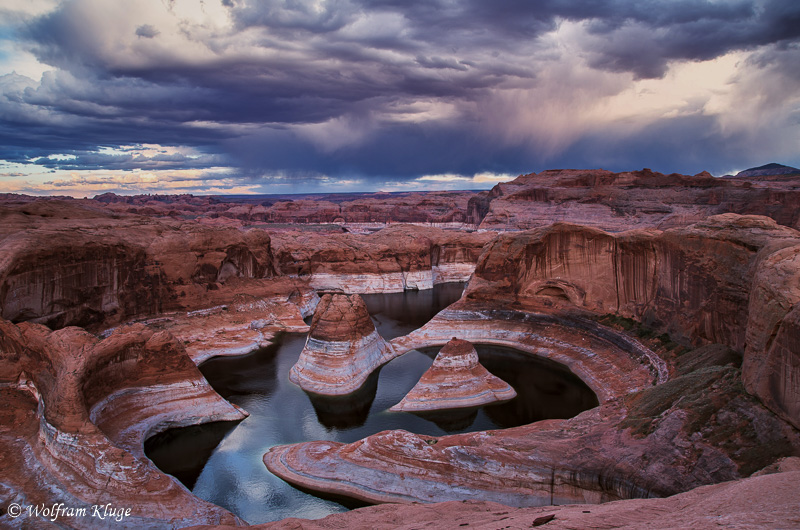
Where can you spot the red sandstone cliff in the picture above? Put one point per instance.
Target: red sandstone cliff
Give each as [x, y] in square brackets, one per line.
[695, 283]
[628, 200]
[393, 259]
[86, 267]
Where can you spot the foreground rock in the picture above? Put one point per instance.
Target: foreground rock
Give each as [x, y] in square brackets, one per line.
[343, 348]
[455, 380]
[768, 501]
[74, 414]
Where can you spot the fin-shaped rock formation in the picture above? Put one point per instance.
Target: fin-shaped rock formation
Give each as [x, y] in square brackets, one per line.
[342, 349]
[456, 380]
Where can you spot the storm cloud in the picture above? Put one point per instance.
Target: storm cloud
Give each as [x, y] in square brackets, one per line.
[392, 90]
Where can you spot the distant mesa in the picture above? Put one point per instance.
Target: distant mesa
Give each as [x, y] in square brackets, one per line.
[456, 380]
[342, 350]
[768, 170]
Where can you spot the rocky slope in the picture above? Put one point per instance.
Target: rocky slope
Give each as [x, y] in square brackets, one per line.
[623, 201]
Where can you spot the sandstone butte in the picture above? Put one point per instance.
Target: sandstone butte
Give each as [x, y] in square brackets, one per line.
[456, 379]
[343, 348]
[686, 328]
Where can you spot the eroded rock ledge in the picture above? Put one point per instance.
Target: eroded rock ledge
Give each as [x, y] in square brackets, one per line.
[455, 380]
[74, 413]
[697, 429]
[768, 501]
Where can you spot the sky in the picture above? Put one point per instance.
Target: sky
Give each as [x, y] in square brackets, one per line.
[309, 96]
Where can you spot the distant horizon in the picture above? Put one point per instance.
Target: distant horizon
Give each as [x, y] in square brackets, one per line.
[133, 193]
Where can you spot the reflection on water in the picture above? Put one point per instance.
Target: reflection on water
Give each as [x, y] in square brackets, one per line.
[346, 412]
[234, 475]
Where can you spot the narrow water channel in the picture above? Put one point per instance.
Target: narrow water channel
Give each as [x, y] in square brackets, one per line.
[222, 463]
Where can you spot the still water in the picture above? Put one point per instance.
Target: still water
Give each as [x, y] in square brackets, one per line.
[222, 462]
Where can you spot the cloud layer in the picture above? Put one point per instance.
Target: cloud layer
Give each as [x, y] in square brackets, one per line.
[384, 91]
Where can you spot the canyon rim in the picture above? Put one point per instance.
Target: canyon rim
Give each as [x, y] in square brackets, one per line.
[674, 298]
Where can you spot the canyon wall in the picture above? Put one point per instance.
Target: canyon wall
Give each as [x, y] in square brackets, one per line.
[623, 201]
[390, 260]
[98, 271]
[729, 280]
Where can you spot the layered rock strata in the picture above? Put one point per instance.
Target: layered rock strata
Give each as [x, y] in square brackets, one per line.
[694, 430]
[343, 348]
[72, 264]
[730, 279]
[611, 363]
[455, 380]
[76, 411]
[624, 201]
[241, 326]
[392, 260]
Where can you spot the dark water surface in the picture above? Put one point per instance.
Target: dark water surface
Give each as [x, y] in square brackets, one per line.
[222, 463]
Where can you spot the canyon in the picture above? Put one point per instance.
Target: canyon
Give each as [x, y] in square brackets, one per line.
[675, 298]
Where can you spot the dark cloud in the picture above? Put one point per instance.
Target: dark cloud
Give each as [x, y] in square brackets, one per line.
[147, 31]
[243, 96]
[128, 161]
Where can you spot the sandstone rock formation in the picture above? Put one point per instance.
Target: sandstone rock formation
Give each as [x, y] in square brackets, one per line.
[343, 348]
[76, 412]
[456, 380]
[697, 429]
[392, 260]
[75, 409]
[772, 356]
[768, 501]
[694, 283]
[623, 201]
[83, 266]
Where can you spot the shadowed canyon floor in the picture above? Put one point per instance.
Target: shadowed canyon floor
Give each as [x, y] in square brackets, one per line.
[675, 298]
